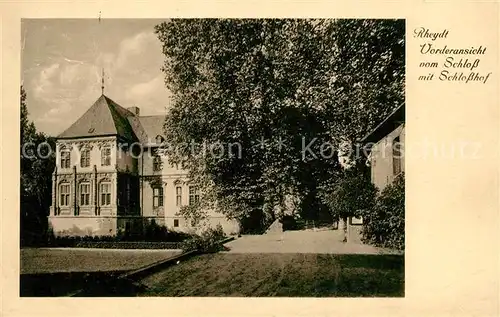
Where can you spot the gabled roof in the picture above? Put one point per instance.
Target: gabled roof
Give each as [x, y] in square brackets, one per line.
[153, 125]
[105, 117]
[147, 128]
[394, 120]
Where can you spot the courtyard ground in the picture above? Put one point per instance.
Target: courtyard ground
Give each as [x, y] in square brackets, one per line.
[293, 263]
[303, 241]
[305, 263]
[281, 274]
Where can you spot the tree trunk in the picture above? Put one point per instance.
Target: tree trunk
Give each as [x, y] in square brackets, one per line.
[344, 220]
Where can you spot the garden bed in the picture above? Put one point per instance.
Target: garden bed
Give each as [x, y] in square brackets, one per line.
[128, 245]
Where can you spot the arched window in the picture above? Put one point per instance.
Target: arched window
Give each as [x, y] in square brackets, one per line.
[85, 158]
[159, 139]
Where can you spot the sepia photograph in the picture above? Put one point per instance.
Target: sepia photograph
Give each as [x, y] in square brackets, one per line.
[212, 157]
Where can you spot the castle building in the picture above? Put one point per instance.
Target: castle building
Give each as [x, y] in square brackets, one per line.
[110, 176]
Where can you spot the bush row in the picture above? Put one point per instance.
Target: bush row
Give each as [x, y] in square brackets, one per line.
[209, 241]
[384, 225]
[152, 236]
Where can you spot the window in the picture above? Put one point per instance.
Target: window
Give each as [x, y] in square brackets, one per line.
[159, 139]
[65, 159]
[64, 194]
[105, 194]
[106, 156]
[396, 156]
[84, 194]
[178, 196]
[356, 221]
[157, 196]
[176, 222]
[85, 158]
[156, 163]
[194, 195]
[127, 191]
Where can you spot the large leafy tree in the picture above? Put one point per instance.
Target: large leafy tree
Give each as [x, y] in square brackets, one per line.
[351, 195]
[279, 95]
[37, 163]
[369, 77]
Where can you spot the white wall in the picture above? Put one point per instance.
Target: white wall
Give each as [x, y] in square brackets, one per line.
[382, 159]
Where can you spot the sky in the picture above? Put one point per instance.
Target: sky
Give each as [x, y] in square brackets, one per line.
[62, 59]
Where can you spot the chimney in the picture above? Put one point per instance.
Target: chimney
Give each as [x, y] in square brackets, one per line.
[134, 110]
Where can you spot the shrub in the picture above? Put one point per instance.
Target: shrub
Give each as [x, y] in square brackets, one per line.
[209, 241]
[289, 223]
[384, 225]
[152, 233]
[349, 196]
[352, 193]
[292, 222]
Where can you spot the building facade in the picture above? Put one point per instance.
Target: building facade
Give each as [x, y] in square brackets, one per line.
[110, 176]
[386, 145]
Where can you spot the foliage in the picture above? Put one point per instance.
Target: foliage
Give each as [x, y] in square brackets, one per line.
[384, 226]
[369, 67]
[290, 223]
[153, 234]
[350, 195]
[260, 91]
[37, 161]
[209, 241]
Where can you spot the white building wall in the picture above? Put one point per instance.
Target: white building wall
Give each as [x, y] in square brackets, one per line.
[382, 158]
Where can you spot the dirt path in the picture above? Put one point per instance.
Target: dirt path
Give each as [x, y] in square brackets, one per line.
[327, 241]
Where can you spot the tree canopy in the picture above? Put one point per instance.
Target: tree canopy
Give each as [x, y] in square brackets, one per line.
[37, 163]
[262, 106]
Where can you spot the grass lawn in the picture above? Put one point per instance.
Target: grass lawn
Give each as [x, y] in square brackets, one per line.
[305, 275]
[38, 261]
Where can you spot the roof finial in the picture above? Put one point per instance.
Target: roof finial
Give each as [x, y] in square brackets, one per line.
[102, 82]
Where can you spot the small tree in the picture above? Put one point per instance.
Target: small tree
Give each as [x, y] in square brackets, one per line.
[384, 226]
[349, 196]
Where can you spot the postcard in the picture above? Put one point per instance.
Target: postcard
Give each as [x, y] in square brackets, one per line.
[251, 159]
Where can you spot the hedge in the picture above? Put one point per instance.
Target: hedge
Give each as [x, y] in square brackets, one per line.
[384, 225]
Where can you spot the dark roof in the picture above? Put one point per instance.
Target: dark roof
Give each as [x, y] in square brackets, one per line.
[147, 128]
[394, 120]
[104, 117]
[152, 125]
